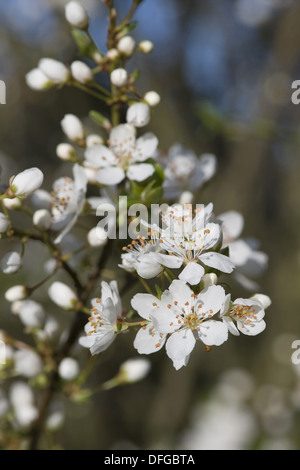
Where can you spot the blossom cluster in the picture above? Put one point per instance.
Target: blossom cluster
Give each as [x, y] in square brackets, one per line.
[181, 261]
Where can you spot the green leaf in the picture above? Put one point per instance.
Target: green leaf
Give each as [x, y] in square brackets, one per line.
[98, 118]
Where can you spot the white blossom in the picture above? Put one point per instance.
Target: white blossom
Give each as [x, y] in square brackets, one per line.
[72, 127]
[125, 156]
[37, 80]
[11, 262]
[93, 139]
[65, 151]
[41, 199]
[184, 316]
[138, 115]
[97, 236]
[102, 326]
[126, 45]
[119, 77]
[249, 261]
[26, 182]
[152, 98]
[31, 313]
[146, 46]
[190, 242]
[76, 15]
[184, 171]
[55, 70]
[62, 295]
[68, 369]
[68, 201]
[243, 316]
[12, 203]
[134, 370]
[4, 223]
[15, 293]
[81, 72]
[28, 363]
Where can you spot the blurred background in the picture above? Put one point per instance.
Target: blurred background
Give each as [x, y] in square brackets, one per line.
[224, 71]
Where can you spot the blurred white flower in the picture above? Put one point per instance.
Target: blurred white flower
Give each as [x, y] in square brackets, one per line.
[126, 45]
[4, 223]
[27, 363]
[42, 219]
[134, 370]
[152, 98]
[55, 70]
[101, 328]
[124, 156]
[31, 313]
[62, 295]
[81, 72]
[37, 80]
[138, 115]
[68, 369]
[76, 15]
[11, 262]
[72, 127]
[15, 293]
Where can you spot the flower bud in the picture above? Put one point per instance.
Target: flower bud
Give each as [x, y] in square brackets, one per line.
[16, 293]
[186, 197]
[28, 363]
[126, 45]
[4, 223]
[146, 47]
[72, 127]
[37, 80]
[42, 219]
[112, 54]
[11, 262]
[94, 139]
[208, 280]
[26, 182]
[76, 15]
[20, 394]
[31, 314]
[68, 369]
[119, 77]
[152, 98]
[12, 203]
[138, 115]
[134, 370]
[54, 70]
[65, 151]
[263, 299]
[25, 415]
[62, 295]
[81, 72]
[97, 236]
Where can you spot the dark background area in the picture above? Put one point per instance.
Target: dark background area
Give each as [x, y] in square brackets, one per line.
[224, 71]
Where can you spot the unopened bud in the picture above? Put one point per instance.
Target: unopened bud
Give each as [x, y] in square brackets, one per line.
[65, 151]
[55, 70]
[62, 295]
[81, 72]
[146, 47]
[126, 45]
[76, 15]
[119, 77]
[37, 80]
[42, 219]
[138, 115]
[26, 182]
[72, 127]
[152, 98]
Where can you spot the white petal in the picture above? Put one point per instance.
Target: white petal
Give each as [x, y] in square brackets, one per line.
[253, 328]
[180, 292]
[99, 156]
[143, 304]
[148, 341]
[168, 261]
[211, 299]
[164, 320]
[102, 341]
[192, 273]
[180, 345]
[213, 333]
[217, 261]
[122, 139]
[231, 326]
[140, 172]
[111, 175]
[181, 363]
[232, 225]
[148, 267]
[145, 147]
